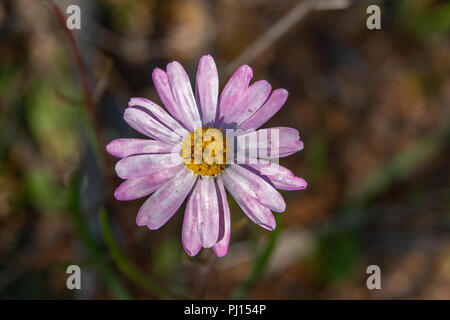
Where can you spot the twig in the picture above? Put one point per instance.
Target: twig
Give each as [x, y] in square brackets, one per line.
[282, 26]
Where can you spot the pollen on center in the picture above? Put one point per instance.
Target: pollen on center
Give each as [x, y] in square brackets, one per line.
[204, 151]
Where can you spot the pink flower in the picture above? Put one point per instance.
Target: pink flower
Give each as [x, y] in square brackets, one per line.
[167, 164]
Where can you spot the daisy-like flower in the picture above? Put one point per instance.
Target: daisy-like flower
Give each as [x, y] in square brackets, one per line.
[192, 155]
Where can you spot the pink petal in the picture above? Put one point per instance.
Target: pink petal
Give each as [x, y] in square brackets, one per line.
[258, 213]
[233, 90]
[158, 113]
[161, 82]
[221, 247]
[189, 234]
[122, 148]
[274, 142]
[247, 104]
[139, 187]
[146, 164]
[163, 204]
[147, 125]
[258, 187]
[182, 93]
[268, 109]
[207, 211]
[207, 89]
[281, 177]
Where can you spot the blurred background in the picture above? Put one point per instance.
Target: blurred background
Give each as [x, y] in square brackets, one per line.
[372, 106]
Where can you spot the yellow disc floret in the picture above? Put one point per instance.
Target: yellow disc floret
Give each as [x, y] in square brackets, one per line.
[204, 151]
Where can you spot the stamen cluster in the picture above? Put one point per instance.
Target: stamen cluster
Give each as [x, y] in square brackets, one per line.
[204, 151]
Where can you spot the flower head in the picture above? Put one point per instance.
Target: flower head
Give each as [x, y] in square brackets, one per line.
[204, 145]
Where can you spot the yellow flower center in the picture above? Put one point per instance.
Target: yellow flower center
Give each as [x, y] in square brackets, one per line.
[204, 151]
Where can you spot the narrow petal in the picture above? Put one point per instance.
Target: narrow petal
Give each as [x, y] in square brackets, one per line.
[221, 247]
[161, 82]
[271, 143]
[163, 204]
[122, 148]
[146, 164]
[182, 93]
[189, 234]
[281, 177]
[207, 89]
[208, 211]
[247, 104]
[158, 113]
[140, 187]
[276, 100]
[235, 88]
[258, 213]
[147, 125]
[261, 190]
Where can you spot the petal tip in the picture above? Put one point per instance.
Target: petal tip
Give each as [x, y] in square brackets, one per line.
[267, 226]
[117, 195]
[110, 148]
[220, 251]
[244, 70]
[283, 92]
[207, 57]
[193, 252]
[302, 183]
[140, 220]
[118, 168]
[152, 226]
[135, 100]
[174, 64]
[157, 73]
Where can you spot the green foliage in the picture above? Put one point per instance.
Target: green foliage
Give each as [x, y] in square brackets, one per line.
[335, 255]
[427, 19]
[260, 262]
[400, 165]
[43, 193]
[52, 122]
[95, 254]
[166, 257]
[316, 157]
[126, 266]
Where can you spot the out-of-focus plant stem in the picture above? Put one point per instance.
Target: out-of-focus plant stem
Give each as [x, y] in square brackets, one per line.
[91, 111]
[402, 164]
[260, 263]
[126, 267]
[81, 70]
[103, 267]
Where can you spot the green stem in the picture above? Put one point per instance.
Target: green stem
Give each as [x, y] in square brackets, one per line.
[126, 267]
[104, 269]
[260, 263]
